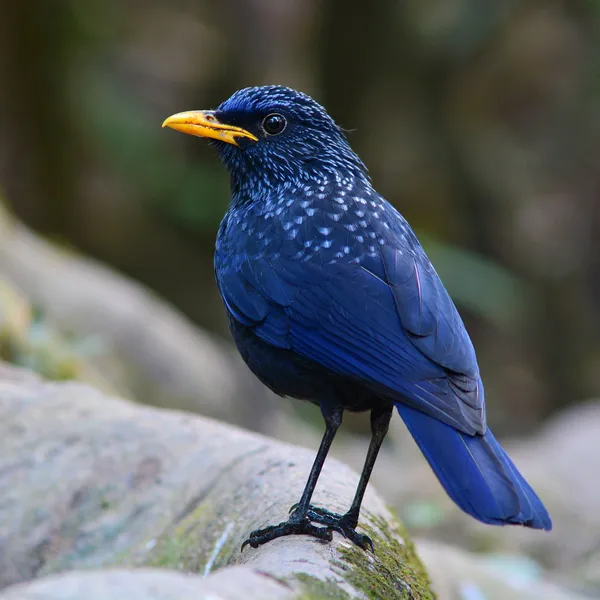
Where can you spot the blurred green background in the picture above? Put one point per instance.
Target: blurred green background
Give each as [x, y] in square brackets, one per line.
[479, 120]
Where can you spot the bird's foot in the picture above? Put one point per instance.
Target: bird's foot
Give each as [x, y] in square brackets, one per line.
[344, 524]
[293, 526]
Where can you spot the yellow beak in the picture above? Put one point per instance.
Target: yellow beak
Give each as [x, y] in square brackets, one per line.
[204, 123]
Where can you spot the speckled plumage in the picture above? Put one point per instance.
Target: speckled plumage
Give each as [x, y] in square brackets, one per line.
[332, 299]
[324, 221]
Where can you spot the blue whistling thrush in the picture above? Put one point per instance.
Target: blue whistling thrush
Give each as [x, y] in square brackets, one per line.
[332, 299]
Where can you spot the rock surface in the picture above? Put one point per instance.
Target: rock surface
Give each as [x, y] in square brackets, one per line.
[152, 584]
[88, 481]
[142, 346]
[160, 364]
[460, 575]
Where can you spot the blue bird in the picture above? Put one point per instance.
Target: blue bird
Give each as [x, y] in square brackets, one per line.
[332, 299]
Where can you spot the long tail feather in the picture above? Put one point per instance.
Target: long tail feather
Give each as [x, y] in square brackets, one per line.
[476, 473]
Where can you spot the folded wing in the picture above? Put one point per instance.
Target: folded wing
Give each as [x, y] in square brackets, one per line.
[387, 321]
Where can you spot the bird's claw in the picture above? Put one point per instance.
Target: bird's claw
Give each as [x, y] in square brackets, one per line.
[359, 539]
[316, 512]
[291, 527]
[343, 524]
[322, 515]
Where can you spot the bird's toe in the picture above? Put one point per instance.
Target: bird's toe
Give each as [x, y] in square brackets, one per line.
[343, 524]
[290, 527]
[323, 516]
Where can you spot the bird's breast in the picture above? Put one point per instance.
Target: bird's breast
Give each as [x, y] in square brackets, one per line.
[320, 223]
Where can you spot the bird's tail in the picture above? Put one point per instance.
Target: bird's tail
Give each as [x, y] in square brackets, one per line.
[476, 473]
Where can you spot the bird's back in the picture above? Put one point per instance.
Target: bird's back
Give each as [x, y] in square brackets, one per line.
[329, 272]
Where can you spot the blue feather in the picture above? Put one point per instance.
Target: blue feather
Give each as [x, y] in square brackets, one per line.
[476, 473]
[331, 296]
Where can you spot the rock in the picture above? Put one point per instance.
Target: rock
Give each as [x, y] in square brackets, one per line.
[90, 481]
[459, 575]
[10, 373]
[152, 584]
[142, 346]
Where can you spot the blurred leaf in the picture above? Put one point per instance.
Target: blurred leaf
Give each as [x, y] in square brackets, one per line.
[479, 284]
[458, 30]
[194, 196]
[422, 515]
[520, 570]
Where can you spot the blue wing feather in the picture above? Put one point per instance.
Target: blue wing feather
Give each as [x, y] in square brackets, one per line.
[427, 311]
[243, 300]
[349, 319]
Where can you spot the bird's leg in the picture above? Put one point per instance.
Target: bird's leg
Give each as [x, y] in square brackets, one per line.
[299, 523]
[346, 524]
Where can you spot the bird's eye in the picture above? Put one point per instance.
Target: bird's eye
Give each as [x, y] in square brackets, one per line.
[274, 124]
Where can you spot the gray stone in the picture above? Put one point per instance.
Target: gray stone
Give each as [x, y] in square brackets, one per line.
[90, 481]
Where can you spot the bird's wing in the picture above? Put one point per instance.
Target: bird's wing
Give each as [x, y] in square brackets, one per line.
[387, 321]
[427, 312]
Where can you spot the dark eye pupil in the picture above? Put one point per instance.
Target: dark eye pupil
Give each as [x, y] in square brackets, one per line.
[274, 124]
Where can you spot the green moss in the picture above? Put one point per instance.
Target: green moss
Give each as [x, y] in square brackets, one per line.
[315, 589]
[394, 572]
[169, 555]
[200, 539]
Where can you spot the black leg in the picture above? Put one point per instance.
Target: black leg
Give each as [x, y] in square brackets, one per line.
[299, 523]
[346, 524]
[380, 422]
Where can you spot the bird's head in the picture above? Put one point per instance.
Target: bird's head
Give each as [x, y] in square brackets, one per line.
[273, 135]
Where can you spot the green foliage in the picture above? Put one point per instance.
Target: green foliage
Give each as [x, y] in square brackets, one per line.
[28, 341]
[480, 284]
[193, 196]
[478, 120]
